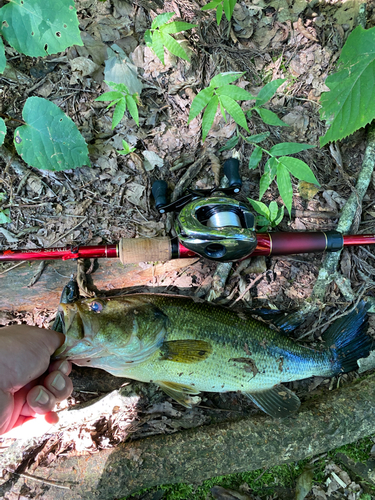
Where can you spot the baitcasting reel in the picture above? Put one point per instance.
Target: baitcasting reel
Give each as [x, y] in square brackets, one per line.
[217, 227]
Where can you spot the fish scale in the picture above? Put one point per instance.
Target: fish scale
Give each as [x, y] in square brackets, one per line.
[187, 347]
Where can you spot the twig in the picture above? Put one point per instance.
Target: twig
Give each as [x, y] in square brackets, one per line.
[41, 480]
[250, 285]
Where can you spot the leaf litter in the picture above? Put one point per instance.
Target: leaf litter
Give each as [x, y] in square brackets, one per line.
[295, 40]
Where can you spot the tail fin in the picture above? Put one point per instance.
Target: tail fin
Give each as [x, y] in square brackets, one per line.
[348, 341]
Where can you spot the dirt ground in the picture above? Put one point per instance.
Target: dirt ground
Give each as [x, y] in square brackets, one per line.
[295, 40]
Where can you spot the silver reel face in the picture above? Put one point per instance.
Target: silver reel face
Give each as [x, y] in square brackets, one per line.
[218, 228]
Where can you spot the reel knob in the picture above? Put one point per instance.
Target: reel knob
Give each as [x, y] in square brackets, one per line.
[159, 192]
[231, 171]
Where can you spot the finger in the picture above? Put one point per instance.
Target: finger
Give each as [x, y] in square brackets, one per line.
[40, 401]
[58, 384]
[26, 427]
[63, 366]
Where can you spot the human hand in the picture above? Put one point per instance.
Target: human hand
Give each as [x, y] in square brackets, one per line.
[25, 353]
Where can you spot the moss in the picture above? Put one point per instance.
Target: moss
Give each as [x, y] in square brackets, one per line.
[358, 451]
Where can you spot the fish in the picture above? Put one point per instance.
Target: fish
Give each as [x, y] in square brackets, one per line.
[187, 347]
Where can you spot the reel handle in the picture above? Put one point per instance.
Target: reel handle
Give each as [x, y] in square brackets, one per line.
[231, 171]
[159, 192]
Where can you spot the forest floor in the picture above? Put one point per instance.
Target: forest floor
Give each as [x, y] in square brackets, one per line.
[266, 40]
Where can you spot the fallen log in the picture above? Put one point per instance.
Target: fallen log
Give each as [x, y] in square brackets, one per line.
[109, 275]
[323, 423]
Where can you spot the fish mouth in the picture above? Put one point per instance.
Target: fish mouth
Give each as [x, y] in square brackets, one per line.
[72, 328]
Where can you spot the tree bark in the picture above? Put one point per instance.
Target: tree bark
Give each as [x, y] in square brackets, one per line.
[323, 423]
[109, 275]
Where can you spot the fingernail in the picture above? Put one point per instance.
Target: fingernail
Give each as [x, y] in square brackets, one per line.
[58, 382]
[42, 398]
[64, 367]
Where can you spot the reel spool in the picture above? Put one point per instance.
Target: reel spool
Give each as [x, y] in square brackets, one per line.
[218, 228]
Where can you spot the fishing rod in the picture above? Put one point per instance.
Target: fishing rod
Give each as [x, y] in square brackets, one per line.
[210, 224]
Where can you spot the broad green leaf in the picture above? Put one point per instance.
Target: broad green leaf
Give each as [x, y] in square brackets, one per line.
[255, 139]
[50, 140]
[232, 4]
[226, 8]
[230, 144]
[285, 186]
[3, 60]
[235, 111]
[280, 215]
[211, 5]
[268, 176]
[4, 219]
[113, 103]
[40, 27]
[219, 13]
[273, 208]
[261, 208]
[288, 148]
[270, 117]
[161, 19]
[118, 112]
[268, 91]
[109, 96]
[263, 222]
[225, 78]
[200, 101]
[299, 169]
[349, 105]
[3, 131]
[209, 116]
[148, 38]
[173, 46]
[255, 157]
[132, 107]
[222, 109]
[235, 93]
[157, 46]
[176, 27]
[120, 87]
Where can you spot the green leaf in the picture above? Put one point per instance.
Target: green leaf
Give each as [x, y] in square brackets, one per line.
[4, 219]
[161, 19]
[3, 131]
[2, 196]
[211, 5]
[255, 139]
[262, 221]
[200, 101]
[173, 46]
[268, 176]
[226, 7]
[176, 27]
[348, 105]
[209, 116]
[132, 107]
[148, 38]
[118, 112]
[219, 13]
[270, 117]
[279, 218]
[235, 93]
[225, 78]
[113, 103]
[235, 111]
[3, 60]
[260, 208]
[127, 149]
[120, 87]
[50, 140]
[268, 91]
[222, 110]
[299, 169]
[273, 208]
[157, 46]
[40, 27]
[288, 148]
[232, 4]
[233, 141]
[109, 96]
[255, 157]
[285, 186]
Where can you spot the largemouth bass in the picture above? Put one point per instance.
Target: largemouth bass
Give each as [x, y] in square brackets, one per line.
[186, 347]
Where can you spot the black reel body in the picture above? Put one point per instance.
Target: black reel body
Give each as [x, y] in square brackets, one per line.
[218, 228]
[210, 223]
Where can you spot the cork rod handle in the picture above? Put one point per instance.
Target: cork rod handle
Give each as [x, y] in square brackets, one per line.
[133, 250]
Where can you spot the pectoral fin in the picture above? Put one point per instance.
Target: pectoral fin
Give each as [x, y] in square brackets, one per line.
[279, 402]
[179, 392]
[185, 351]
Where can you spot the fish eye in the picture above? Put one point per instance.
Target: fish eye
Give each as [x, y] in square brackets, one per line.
[96, 306]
